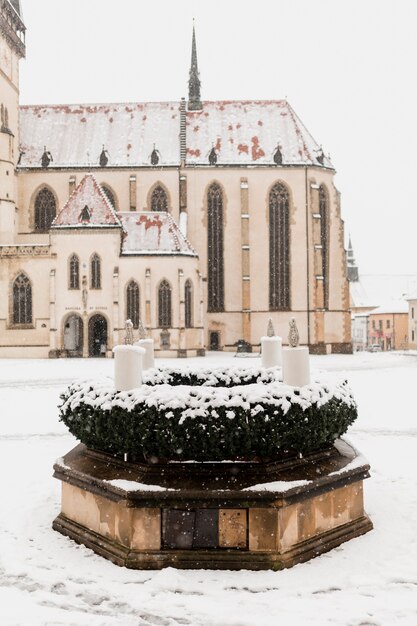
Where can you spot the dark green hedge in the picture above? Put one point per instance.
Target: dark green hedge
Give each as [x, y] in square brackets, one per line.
[147, 433]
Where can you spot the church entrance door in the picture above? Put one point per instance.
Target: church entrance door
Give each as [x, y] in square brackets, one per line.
[97, 336]
[73, 336]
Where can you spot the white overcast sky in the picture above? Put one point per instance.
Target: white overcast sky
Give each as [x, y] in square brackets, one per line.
[348, 67]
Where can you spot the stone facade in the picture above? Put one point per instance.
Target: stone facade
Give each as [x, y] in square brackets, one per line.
[132, 150]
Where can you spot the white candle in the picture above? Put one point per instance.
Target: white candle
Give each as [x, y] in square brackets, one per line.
[271, 351]
[296, 366]
[148, 346]
[127, 367]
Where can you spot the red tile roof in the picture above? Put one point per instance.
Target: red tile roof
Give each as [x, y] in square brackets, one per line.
[153, 233]
[87, 207]
[242, 133]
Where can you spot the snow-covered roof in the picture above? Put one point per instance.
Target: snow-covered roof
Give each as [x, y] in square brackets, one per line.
[373, 290]
[152, 232]
[242, 133]
[248, 132]
[87, 207]
[390, 307]
[76, 134]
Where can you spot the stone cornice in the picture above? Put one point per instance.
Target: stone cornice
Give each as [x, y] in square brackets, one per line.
[24, 250]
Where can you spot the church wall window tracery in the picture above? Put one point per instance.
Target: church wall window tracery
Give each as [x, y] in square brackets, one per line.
[45, 210]
[22, 300]
[164, 304]
[324, 240]
[215, 260]
[110, 195]
[279, 248]
[159, 199]
[133, 303]
[188, 304]
[74, 272]
[95, 269]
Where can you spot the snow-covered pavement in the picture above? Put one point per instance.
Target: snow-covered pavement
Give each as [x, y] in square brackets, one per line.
[46, 579]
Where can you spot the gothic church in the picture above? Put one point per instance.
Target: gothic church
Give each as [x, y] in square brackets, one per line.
[202, 219]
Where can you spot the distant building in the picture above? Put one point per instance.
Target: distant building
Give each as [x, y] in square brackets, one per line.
[203, 219]
[412, 321]
[388, 326]
[360, 330]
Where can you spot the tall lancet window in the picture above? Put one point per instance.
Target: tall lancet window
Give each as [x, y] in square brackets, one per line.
[279, 248]
[22, 300]
[132, 303]
[95, 272]
[215, 270]
[45, 210]
[188, 304]
[164, 305]
[74, 272]
[324, 240]
[159, 199]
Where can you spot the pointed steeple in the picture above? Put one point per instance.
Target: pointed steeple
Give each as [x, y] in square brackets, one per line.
[352, 268]
[194, 83]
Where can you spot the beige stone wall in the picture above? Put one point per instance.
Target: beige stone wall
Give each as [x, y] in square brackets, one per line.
[246, 223]
[9, 98]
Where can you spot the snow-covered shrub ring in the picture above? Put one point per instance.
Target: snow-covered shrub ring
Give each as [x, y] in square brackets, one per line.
[202, 423]
[211, 377]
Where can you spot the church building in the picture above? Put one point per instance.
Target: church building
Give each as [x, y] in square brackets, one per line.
[202, 219]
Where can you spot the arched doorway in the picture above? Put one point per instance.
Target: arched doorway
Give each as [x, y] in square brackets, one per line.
[97, 336]
[73, 335]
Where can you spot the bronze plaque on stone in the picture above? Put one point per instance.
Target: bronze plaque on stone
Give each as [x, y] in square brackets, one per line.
[233, 528]
[184, 530]
[178, 529]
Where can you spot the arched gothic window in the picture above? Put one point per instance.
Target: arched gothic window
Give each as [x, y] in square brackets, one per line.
[109, 195]
[159, 199]
[133, 303]
[164, 305]
[279, 248]
[215, 270]
[45, 210]
[188, 303]
[22, 300]
[74, 272]
[95, 272]
[324, 240]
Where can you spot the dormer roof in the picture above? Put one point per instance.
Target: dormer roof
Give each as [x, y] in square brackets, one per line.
[87, 207]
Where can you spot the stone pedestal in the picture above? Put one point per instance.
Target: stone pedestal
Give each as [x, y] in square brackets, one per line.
[267, 515]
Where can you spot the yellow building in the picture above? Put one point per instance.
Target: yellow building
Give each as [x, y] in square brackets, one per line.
[203, 219]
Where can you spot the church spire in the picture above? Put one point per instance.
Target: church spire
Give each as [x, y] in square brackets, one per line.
[352, 268]
[194, 83]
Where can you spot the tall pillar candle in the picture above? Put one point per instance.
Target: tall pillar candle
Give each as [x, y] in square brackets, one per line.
[271, 348]
[149, 356]
[127, 367]
[296, 366]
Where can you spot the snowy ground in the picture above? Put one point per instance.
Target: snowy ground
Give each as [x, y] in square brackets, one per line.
[46, 579]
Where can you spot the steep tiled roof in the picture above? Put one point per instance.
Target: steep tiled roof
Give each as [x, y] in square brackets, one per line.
[249, 132]
[242, 133]
[75, 134]
[153, 233]
[372, 290]
[87, 207]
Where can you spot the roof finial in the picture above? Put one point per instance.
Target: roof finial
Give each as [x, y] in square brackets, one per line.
[194, 83]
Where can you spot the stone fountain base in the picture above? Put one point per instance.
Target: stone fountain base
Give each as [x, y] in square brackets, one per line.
[245, 515]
